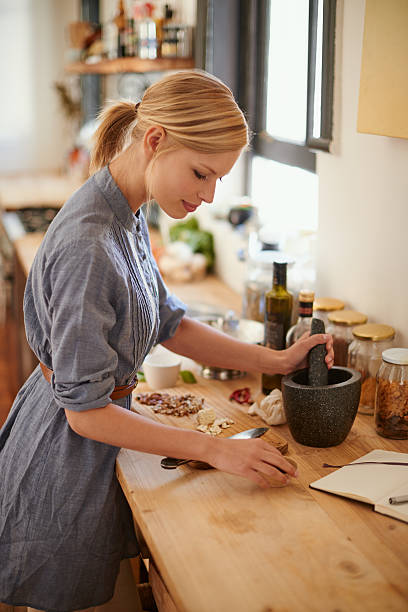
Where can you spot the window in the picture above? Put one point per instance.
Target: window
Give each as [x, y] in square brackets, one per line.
[286, 90]
[294, 73]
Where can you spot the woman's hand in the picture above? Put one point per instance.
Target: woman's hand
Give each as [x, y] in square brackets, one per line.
[253, 459]
[295, 357]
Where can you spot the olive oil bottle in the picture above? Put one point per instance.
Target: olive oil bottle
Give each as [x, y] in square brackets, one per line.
[278, 312]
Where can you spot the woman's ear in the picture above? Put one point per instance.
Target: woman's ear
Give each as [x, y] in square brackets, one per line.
[153, 137]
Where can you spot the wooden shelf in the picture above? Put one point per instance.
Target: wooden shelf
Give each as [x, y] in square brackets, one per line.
[130, 64]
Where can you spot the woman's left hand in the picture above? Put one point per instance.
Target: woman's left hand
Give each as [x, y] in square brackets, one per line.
[296, 355]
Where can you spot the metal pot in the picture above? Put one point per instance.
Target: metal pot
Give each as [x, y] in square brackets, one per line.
[244, 330]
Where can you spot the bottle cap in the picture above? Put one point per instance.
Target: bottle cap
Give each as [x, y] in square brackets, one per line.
[305, 295]
[327, 304]
[396, 355]
[373, 331]
[347, 317]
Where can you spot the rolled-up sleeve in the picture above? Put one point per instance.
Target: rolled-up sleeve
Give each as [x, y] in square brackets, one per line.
[83, 282]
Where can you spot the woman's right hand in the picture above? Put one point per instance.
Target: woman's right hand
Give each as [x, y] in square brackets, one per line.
[253, 459]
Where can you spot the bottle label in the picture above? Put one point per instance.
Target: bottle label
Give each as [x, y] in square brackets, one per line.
[275, 331]
[306, 309]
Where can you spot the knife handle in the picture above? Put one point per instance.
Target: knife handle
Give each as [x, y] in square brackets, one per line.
[170, 463]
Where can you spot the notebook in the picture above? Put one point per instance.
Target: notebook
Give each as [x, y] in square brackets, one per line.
[372, 484]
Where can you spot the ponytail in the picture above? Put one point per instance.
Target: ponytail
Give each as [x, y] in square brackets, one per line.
[111, 135]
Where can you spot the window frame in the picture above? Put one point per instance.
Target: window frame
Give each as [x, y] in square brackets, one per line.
[254, 34]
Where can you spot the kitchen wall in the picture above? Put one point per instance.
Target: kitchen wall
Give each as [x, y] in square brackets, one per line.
[363, 198]
[32, 48]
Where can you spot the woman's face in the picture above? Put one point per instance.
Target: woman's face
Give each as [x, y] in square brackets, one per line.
[181, 180]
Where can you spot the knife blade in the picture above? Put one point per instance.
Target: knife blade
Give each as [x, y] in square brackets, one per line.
[170, 463]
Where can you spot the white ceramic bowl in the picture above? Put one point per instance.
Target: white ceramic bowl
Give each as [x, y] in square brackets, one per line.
[161, 368]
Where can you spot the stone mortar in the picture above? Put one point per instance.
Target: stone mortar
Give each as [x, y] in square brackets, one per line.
[321, 416]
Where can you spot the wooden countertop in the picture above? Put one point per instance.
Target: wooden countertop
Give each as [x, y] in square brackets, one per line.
[36, 190]
[221, 543]
[26, 247]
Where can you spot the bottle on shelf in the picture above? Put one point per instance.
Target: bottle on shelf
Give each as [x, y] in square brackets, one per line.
[147, 34]
[278, 312]
[120, 22]
[161, 20]
[131, 38]
[304, 321]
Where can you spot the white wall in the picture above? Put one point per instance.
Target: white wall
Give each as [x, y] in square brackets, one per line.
[363, 199]
[34, 134]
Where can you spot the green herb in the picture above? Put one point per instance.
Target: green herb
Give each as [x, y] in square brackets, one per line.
[199, 241]
[141, 377]
[187, 376]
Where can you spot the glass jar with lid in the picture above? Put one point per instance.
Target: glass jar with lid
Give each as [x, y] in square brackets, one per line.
[341, 324]
[391, 399]
[323, 306]
[364, 355]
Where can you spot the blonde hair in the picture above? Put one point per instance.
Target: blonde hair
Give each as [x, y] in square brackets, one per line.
[196, 110]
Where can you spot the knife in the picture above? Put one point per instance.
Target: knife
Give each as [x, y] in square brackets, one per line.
[170, 463]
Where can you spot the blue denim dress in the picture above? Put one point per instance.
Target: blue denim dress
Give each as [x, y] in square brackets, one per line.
[94, 306]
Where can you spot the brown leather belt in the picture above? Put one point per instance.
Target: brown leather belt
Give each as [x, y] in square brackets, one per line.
[117, 393]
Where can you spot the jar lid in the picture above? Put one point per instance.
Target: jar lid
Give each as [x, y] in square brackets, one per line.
[373, 331]
[327, 304]
[396, 355]
[305, 295]
[347, 317]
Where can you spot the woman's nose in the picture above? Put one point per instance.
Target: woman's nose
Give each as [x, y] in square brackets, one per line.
[207, 192]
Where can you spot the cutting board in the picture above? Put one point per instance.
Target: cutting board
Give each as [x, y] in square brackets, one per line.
[216, 395]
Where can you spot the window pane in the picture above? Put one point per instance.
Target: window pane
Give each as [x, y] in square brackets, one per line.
[286, 197]
[317, 101]
[286, 103]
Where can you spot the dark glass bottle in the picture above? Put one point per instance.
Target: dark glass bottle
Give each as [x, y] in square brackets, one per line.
[120, 21]
[304, 321]
[278, 312]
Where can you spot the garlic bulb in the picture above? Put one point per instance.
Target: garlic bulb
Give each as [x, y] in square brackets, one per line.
[270, 408]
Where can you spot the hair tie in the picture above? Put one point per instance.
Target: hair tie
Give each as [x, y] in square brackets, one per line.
[137, 107]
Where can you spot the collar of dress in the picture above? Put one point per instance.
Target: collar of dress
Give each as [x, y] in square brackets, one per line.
[116, 199]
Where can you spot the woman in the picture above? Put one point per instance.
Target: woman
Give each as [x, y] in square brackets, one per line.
[94, 306]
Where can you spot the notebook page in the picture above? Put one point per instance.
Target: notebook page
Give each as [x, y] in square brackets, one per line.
[367, 483]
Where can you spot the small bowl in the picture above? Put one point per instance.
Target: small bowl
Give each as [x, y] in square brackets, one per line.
[321, 416]
[161, 368]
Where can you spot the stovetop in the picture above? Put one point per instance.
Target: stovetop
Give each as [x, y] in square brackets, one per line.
[36, 219]
[26, 220]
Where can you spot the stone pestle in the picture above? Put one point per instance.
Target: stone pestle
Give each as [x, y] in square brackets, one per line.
[318, 375]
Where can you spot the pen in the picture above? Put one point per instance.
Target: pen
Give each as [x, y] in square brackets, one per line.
[401, 499]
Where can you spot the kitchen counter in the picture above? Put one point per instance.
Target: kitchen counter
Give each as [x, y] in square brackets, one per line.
[36, 190]
[25, 248]
[218, 542]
